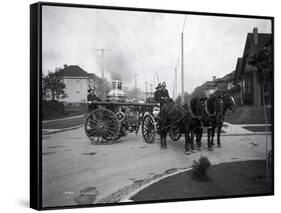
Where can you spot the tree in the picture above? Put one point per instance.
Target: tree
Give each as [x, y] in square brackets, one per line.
[53, 86]
[178, 99]
[262, 63]
[186, 98]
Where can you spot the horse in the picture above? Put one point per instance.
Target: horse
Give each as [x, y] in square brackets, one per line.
[197, 106]
[173, 114]
[211, 112]
[216, 106]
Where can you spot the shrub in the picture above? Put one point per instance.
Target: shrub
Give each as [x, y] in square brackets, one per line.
[52, 109]
[199, 169]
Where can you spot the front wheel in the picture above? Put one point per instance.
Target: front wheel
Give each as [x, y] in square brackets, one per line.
[102, 126]
[148, 128]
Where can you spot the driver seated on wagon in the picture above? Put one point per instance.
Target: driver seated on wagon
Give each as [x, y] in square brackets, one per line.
[161, 94]
[91, 98]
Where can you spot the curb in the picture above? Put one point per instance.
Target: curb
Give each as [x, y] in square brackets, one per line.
[127, 198]
[243, 134]
[52, 131]
[63, 119]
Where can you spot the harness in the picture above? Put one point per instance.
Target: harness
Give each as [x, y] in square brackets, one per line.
[216, 113]
[207, 111]
[177, 121]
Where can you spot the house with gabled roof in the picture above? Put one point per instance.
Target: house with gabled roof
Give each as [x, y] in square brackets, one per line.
[246, 77]
[76, 82]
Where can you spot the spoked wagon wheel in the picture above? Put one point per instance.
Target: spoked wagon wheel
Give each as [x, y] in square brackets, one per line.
[102, 126]
[148, 128]
[174, 133]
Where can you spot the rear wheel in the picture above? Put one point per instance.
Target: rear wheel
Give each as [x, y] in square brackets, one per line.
[174, 133]
[102, 126]
[148, 128]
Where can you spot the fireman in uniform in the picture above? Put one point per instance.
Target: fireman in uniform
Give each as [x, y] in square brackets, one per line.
[157, 93]
[164, 95]
[91, 98]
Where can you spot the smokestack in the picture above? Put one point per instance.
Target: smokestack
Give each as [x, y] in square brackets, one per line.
[214, 78]
[255, 33]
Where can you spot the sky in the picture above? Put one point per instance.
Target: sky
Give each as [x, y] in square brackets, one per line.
[143, 45]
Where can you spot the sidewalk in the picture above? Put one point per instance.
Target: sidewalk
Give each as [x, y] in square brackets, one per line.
[233, 129]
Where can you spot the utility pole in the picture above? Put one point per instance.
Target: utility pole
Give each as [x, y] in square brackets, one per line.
[136, 84]
[176, 83]
[157, 77]
[145, 89]
[182, 68]
[173, 90]
[102, 50]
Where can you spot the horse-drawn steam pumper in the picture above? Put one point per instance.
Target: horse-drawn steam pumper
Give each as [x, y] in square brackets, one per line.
[115, 117]
[113, 120]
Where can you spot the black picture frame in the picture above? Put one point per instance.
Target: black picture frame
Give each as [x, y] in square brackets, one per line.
[36, 100]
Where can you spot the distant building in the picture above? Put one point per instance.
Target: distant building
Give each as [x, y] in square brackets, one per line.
[209, 87]
[246, 80]
[76, 82]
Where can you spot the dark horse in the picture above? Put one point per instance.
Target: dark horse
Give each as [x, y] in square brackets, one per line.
[216, 107]
[212, 111]
[172, 114]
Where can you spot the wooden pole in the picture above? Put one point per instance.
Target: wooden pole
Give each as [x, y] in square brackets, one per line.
[182, 68]
[176, 83]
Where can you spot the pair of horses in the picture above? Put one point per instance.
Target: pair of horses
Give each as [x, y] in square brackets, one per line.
[207, 112]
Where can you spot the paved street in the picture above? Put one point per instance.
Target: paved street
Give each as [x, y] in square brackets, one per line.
[77, 172]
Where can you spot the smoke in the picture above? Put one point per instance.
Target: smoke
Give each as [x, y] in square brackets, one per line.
[119, 65]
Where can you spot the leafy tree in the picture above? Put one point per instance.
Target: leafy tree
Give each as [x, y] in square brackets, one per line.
[52, 86]
[262, 63]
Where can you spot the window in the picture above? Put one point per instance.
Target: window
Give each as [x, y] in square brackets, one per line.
[248, 85]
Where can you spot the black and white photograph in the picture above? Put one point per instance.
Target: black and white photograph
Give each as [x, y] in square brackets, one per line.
[141, 106]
